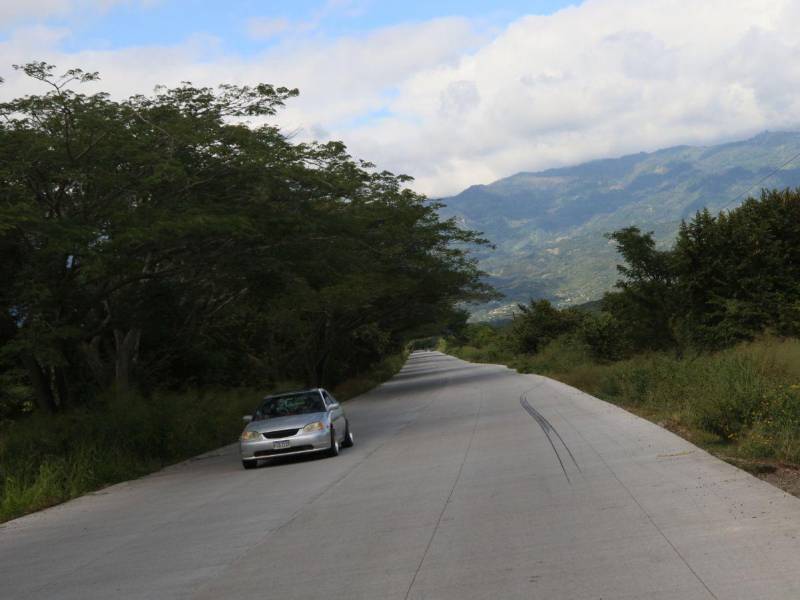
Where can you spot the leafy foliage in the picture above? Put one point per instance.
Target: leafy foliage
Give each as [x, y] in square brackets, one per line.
[728, 278]
[50, 458]
[540, 323]
[164, 241]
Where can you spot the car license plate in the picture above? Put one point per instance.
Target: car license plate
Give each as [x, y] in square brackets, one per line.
[282, 444]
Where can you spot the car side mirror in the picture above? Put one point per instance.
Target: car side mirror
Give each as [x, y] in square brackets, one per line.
[247, 418]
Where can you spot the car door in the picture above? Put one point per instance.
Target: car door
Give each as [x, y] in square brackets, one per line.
[337, 415]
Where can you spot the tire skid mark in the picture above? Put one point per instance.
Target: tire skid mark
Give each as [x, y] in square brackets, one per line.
[548, 429]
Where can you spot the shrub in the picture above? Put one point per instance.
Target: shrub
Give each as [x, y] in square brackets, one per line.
[538, 323]
[46, 459]
[603, 334]
[731, 393]
[560, 355]
[779, 424]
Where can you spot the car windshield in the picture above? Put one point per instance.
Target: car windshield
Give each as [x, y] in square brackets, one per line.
[294, 404]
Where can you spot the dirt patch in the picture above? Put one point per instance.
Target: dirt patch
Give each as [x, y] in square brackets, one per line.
[786, 478]
[783, 476]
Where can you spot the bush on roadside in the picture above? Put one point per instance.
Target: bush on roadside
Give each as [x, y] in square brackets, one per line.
[745, 398]
[47, 459]
[729, 395]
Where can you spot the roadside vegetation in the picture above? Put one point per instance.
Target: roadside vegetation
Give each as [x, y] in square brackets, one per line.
[48, 459]
[166, 259]
[701, 338]
[742, 402]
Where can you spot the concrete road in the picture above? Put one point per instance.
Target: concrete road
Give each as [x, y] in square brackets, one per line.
[467, 481]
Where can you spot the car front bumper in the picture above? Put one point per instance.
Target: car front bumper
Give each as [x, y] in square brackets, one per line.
[300, 443]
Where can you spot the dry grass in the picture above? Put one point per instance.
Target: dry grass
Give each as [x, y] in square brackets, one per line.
[742, 403]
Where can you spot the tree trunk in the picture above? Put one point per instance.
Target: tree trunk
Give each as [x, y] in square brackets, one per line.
[62, 387]
[41, 384]
[127, 351]
[91, 353]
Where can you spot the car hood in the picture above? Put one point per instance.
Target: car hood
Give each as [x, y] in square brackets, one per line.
[291, 422]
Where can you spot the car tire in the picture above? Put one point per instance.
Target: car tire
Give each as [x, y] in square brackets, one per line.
[249, 464]
[334, 449]
[348, 437]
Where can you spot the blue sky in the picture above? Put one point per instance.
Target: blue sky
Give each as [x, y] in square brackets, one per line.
[166, 22]
[454, 93]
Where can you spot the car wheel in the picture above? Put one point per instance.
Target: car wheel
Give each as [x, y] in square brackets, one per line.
[249, 464]
[334, 449]
[348, 437]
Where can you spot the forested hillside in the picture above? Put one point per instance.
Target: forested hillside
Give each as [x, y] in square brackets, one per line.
[549, 226]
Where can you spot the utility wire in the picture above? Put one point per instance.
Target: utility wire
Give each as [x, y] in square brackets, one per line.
[760, 181]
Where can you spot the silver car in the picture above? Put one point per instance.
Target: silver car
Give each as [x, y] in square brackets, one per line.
[295, 423]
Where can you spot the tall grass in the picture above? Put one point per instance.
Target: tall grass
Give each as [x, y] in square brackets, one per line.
[743, 401]
[47, 459]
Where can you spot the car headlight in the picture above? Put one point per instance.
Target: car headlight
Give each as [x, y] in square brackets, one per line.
[315, 426]
[251, 436]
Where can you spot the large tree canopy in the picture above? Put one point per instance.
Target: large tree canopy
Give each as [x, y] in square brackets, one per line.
[728, 277]
[165, 240]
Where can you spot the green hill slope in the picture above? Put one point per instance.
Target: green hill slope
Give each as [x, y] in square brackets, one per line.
[548, 226]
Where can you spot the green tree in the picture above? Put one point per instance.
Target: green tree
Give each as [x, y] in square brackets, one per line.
[738, 271]
[728, 278]
[539, 323]
[645, 302]
[164, 240]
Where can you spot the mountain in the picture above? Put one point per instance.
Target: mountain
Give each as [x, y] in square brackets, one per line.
[549, 226]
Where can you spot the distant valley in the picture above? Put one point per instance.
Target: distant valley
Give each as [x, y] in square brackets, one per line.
[548, 227]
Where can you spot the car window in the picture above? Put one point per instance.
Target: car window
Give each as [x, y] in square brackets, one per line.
[329, 399]
[294, 404]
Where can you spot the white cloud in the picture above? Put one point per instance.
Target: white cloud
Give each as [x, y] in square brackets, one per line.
[602, 79]
[15, 10]
[445, 102]
[11, 11]
[339, 81]
[261, 28]
[458, 98]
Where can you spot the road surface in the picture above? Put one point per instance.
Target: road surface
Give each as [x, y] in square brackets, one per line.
[466, 481]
